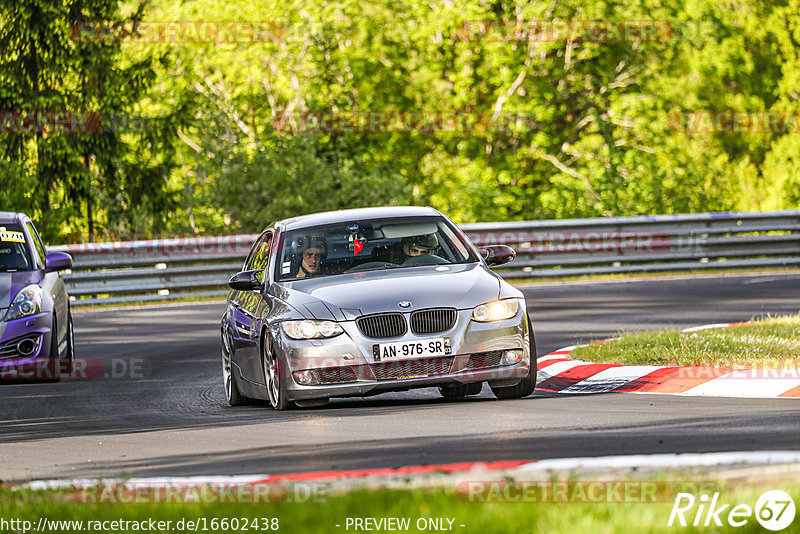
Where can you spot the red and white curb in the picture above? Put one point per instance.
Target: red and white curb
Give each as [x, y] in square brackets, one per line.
[442, 474]
[558, 373]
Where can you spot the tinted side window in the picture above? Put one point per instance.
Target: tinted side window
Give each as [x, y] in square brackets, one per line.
[249, 261]
[260, 257]
[37, 243]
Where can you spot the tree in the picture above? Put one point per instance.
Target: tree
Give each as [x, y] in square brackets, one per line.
[63, 62]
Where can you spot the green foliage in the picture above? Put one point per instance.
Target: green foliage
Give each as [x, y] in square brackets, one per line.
[105, 177]
[564, 127]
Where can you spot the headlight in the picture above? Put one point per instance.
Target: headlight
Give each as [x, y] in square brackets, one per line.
[27, 302]
[311, 329]
[497, 310]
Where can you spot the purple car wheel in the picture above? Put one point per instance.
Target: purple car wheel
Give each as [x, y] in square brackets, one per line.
[67, 364]
[53, 370]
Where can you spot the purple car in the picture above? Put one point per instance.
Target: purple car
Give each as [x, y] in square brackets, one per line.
[36, 341]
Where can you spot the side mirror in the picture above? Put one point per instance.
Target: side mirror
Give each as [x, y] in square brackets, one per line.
[57, 261]
[246, 281]
[497, 254]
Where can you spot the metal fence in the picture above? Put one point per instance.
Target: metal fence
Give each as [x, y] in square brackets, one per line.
[164, 269]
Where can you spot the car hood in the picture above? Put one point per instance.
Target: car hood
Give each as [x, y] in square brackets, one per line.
[11, 283]
[345, 297]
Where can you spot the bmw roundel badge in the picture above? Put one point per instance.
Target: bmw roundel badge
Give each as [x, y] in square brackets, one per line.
[404, 304]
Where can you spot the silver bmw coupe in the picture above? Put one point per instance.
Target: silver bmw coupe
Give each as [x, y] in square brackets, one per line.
[361, 302]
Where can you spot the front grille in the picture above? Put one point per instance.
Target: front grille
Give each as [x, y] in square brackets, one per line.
[433, 320]
[393, 370]
[482, 360]
[9, 349]
[382, 326]
[336, 375]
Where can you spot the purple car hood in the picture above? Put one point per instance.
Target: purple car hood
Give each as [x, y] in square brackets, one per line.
[347, 296]
[11, 283]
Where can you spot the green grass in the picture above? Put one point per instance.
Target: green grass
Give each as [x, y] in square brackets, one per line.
[525, 517]
[773, 342]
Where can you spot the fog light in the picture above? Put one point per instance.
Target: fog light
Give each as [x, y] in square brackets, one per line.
[305, 378]
[27, 347]
[510, 357]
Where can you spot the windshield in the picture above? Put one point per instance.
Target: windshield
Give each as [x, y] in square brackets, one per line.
[369, 245]
[13, 250]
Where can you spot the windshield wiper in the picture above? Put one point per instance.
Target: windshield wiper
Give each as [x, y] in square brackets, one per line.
[379, 268]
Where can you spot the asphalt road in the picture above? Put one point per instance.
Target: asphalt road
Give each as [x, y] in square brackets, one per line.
[159, 409]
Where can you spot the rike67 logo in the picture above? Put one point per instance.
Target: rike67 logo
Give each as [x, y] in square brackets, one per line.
[774, 510]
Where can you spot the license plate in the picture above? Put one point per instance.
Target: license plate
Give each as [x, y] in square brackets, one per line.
[411, 349]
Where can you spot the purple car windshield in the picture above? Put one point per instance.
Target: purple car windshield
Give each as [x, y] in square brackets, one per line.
[14, 254]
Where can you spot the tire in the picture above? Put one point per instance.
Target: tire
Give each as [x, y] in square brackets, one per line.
[67, 364]
[274, 373]
[229, 381]
[527, 384]
[459, 391]
[53, 369]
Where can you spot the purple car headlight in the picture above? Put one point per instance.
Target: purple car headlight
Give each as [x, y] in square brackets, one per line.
[27, 302]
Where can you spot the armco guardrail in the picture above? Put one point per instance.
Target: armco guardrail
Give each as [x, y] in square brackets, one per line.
[200, 266]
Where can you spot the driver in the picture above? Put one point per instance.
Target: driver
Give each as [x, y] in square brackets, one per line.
[420, 245]
[311, 251]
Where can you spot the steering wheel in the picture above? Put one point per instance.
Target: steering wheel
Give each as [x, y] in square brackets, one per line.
[425, 259]
[370, 265]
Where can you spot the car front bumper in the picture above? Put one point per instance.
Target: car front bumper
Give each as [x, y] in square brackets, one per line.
[344, 366]
[36, 365]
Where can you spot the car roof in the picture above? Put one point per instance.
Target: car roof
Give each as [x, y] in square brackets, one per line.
[340, 216]
[11, 217]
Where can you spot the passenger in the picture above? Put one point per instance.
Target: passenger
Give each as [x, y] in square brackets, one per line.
[419, 245]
